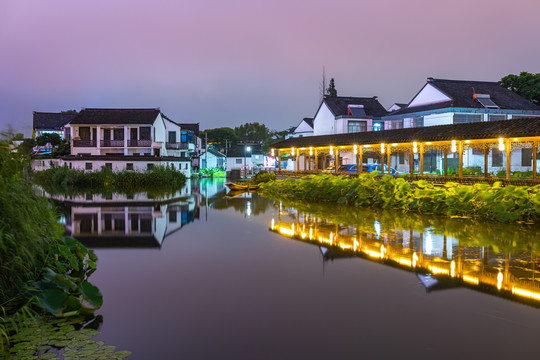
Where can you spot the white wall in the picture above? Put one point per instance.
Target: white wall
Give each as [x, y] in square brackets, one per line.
[303, 127]
[439, 119]
[323, 123]
[428, 95]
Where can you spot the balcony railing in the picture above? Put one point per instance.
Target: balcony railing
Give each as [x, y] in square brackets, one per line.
[84, 143]
[112, 143]
[176, 145]
[139, 143]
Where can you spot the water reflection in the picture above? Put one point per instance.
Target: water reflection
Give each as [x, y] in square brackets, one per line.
[134, 220]
[494, 258]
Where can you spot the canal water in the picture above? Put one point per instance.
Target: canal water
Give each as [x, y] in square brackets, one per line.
[203, 274]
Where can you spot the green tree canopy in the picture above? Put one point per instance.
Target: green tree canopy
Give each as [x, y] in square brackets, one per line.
[52, 138]
[252, 132]
[331, 91]
[525, 84]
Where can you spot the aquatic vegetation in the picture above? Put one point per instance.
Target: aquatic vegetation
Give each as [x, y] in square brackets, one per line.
[68, 180]
[70, 338]
[213, 172]
[262, 177]
[504, 204]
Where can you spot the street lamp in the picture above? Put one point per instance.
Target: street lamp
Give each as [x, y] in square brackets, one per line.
[248, 149]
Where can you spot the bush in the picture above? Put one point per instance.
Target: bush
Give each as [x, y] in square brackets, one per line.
[262, 177]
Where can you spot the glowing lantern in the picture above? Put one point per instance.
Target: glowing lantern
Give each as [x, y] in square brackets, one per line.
[310, 151]
[501, 144]
[382, 148]
[454, 147]
[355, 149]
[331, 150]
[292, 151]
[415, 147]
[272, 151]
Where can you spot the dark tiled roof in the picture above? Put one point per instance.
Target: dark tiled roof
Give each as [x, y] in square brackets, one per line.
[461, 92]
[51, 121]
[116, 116]
[213, 152]
[481, 130]
[193, 127]
[309, 121]
[238, 151]
[339, 105]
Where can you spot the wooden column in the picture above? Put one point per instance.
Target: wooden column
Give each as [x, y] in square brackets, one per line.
[336, 161]
[324, 164]
[486, 154]
[421, 152]
[460, 150]
[358, 165]
[389, 152]
[411, 162]
[445, 164]
[534, 152]
[309, 163]
[508, 148]
[279, 159]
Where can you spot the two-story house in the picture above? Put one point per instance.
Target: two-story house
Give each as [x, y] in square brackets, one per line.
[125, 139]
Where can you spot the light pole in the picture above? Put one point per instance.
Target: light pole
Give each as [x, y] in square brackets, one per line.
[248, 149]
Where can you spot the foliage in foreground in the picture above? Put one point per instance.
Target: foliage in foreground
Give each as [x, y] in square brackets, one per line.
[68, 180]
[212, 172]
[505, 204]
[262, 177]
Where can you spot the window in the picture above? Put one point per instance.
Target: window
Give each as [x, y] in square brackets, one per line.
[144, 133]
[418, 121]
[497, 157]
[378, 126]
[467, 118]
[396, 124]
[526, 157]
[172, 136]
[172, 216]
[357, 126]
[118, 134]
[108, 166]
[129, 166]
[186, 137]
[239, 161]
[496, 117]
[187, 166]
[88, 166]
[149, 166]
[401, 157]
[84, 133]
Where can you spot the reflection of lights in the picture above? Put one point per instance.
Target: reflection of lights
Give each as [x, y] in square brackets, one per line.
[470, 279]
[501, 144]
[355, 244]
[437, 270]
[331, 237]
[344, 246]
[414, 259]
[454, 147]
[383, 251]
[373, 253]
[377, 226]
[284, 230]
[429, 244]
[526, 293]
[499, 280]
[310, 233]
[248, 208]
[303, 235]
[404, 261]
[272, 226]
[452, 269]
[323, 240]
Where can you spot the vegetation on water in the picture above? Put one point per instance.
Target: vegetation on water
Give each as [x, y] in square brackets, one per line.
[505, 204]
[211, 172]
[63, 179]
[262, 177]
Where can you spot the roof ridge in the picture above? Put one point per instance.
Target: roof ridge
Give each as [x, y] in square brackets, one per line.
[431, 79]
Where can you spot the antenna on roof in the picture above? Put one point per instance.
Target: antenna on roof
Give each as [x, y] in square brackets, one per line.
[322, 85]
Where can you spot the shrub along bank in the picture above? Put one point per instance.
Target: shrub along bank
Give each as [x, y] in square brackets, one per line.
[69, 180]
[505, 204]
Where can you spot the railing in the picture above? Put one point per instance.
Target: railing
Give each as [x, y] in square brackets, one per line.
[112, 143]
[176, 145]
[139, 143]
[84, 143]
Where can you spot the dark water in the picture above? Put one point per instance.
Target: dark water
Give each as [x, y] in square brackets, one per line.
[199, 276]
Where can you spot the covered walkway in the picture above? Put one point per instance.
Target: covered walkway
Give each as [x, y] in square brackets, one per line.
[495, 140]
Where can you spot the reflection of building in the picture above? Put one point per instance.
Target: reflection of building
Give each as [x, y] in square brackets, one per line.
[137, 222]
[445, 258]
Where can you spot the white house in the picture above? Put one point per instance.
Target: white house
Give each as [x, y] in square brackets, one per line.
[305, 128]
[246, 156]
[126, 139]
[212, 159]
[339, 115]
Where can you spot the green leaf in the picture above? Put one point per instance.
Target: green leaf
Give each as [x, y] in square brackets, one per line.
[91, 294]
[53, 300]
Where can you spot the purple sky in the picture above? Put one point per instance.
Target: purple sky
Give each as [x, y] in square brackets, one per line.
[225, 63]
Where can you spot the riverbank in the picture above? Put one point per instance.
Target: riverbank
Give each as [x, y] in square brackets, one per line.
[504, 204]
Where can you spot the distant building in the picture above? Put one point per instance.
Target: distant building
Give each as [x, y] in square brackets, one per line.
[239, 157]
[214, 159]
[52, 123]
[305, 128]
[340, 115]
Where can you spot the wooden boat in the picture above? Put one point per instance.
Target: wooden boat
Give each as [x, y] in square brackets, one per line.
[240, 186]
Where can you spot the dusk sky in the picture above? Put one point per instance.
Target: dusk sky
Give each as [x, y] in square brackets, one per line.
[225, 63]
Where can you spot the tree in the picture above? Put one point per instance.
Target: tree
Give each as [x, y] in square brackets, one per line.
[525, 84]
[252, 132]
[331, 91]
[51, 138]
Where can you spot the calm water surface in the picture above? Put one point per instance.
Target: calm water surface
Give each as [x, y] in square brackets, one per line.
[201, 276]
